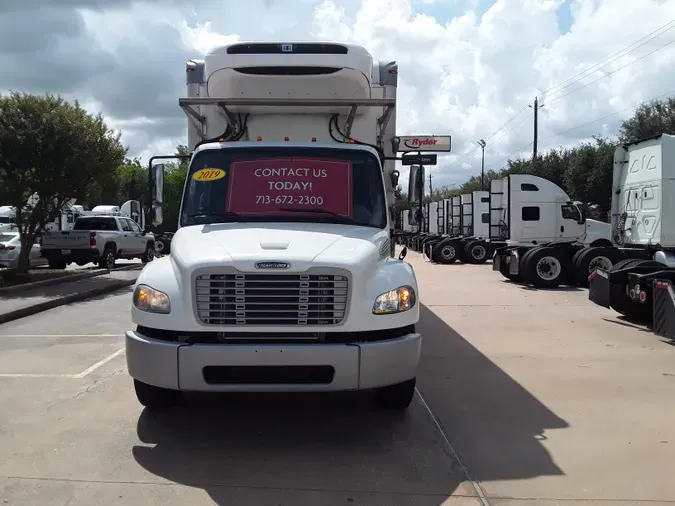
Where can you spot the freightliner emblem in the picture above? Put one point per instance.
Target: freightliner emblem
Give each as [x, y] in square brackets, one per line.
[272, 265]
[286, 48]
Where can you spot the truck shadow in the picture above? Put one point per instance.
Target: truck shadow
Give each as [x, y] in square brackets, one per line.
[235, 445]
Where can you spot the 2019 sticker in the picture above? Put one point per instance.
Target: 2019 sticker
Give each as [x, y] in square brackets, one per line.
[208, 175]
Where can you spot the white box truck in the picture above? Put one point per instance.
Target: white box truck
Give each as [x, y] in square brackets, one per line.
[281, 275]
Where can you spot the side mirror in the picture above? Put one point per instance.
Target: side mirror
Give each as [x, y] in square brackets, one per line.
[157, 193]
[582, 212]
[412, 216]
[416, 183]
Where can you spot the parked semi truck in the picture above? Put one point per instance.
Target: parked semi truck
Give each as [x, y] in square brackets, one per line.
[639, 284]
[455, 228]
[546, 233]
[281, 275]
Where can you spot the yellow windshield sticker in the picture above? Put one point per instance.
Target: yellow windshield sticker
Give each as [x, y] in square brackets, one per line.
[208, 175]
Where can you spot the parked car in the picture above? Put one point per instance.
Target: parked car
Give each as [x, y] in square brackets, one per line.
[98, 238]
[10, 248]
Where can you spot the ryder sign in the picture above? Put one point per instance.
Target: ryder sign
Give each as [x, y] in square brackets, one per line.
[439, 143]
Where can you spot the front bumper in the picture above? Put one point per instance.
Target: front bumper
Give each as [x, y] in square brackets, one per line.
[358, 366]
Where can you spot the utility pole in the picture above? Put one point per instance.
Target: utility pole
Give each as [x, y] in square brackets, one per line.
[536, 108]
[482, 144]
[431, 187]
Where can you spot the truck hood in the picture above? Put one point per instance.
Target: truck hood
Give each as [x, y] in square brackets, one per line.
[299, 244]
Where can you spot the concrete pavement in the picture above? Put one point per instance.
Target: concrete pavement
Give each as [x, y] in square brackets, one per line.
[546, 398]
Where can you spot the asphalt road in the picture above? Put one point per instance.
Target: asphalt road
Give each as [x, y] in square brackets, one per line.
[547, 398]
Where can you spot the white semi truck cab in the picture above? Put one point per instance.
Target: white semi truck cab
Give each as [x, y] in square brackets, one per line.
[281, 276]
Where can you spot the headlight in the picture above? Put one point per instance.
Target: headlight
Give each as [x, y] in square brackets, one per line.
[151, 300]
[395, 301]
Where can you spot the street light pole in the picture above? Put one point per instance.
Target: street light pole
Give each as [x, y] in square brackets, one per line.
[482, 144]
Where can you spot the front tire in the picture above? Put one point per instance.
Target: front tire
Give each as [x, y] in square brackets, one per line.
[396, 397]
[149, 254]
[156, 398]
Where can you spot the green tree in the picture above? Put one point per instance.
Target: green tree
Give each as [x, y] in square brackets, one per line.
[649, 119]
[55, 150]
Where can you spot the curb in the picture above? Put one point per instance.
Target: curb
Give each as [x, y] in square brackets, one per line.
[66, 279]
[62, 301]
[53, 281]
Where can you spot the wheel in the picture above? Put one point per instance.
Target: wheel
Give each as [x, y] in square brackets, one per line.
[159, 245]
[523, 265]
[619, 299]
[108, 260]
[575, 258]
[398, 396]
[149, 254]
[547, 267]
[56, 264]
[476, 252]
[590, 258]
[446, 252]
[153, 397]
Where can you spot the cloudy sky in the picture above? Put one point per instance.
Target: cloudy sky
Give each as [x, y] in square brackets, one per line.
[467, 68]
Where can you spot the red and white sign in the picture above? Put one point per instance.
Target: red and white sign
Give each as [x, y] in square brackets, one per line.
[273, 184]
[424, 143]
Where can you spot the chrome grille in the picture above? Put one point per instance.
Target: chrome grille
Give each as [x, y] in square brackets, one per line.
[271, 299]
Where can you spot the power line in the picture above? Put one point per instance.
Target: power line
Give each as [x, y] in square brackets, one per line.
[668, 26]
[610, 73]
[522, 148]
[474, 152]
[605, 117]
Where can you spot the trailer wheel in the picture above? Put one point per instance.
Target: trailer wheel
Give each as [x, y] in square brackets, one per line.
[446, 252]
[590, 258]
[476, 252]
[619, 298]
[546, 267]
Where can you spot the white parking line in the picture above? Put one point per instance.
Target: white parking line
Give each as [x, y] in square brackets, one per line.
[98, 364]
[81, 375]
[48, 336]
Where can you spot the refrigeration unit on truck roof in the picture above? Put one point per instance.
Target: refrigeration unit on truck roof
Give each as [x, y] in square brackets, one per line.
[643, 210]
[317, 82]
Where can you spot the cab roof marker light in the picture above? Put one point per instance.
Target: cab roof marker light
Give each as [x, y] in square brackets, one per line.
[259, 139]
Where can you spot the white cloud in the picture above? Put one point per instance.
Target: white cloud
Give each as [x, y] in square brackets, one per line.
[465, 74]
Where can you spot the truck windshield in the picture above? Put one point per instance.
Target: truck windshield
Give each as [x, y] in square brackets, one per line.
[285, 185]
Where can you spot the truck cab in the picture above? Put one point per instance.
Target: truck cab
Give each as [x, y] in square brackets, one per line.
[281, 275]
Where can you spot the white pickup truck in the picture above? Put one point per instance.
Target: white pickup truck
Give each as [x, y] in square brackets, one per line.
[98, 239]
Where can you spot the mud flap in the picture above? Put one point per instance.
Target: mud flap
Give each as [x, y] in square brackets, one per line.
[514, 263]
[599, 288]
[496, 261]
[664, 308]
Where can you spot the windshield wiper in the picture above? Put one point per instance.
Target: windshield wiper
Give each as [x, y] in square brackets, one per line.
[214, 217]
[321, 210]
